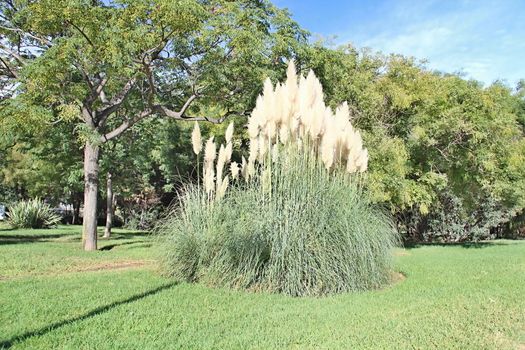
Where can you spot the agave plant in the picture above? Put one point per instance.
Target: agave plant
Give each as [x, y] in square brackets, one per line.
[33, 213]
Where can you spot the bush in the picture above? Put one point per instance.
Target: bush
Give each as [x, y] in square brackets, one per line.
[32, 214]
[299, 232]
[452, 220]
[299, 224]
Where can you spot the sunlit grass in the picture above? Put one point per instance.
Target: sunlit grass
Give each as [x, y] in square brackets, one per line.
[26, 252]
[453, 297]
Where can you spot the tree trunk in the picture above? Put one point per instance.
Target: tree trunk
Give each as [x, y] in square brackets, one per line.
[89, 230]
[110, 207]
[76, 208]
[74, 214]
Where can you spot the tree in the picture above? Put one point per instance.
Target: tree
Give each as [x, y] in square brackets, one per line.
[104, 66]
[43, 163]
[439, 144]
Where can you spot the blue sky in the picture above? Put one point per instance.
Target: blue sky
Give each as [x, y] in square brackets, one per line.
[483, 39]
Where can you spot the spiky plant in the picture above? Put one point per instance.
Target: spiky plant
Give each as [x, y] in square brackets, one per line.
[33, 213]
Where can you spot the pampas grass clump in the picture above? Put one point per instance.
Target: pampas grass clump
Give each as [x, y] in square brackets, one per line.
[304, 232]
[293, 218]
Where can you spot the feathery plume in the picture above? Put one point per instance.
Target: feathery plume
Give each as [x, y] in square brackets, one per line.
[220, 164]
[250, 169]
[244, 167]
[275, 153]
[328, 150]
[291, 81]
[295, 110]
[263, 148]
[234, 169]
[229, 151]
[229, 133]
[363, 161]
[350, 165]
[209, 181]
[196, 140]
[254, 149]
[210, 151]
[284, 133]
[221, 191]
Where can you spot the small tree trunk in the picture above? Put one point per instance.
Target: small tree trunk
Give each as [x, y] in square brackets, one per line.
[89, 230]
[110, 208]
[74, 214]
[76, 208]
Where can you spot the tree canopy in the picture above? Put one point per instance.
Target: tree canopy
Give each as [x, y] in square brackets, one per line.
[113, 77]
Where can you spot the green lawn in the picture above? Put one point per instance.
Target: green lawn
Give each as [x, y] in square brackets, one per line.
[53, 295]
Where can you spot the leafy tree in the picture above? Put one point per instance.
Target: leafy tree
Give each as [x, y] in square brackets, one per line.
[436, 141]
[104, 66]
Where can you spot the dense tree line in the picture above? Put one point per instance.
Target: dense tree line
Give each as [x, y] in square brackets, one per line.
[110, 82]
[447, 154]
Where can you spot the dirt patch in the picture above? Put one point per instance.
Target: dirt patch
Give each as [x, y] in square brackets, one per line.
[117, 265]
[398, 277]
[502, 341]
[401, 253]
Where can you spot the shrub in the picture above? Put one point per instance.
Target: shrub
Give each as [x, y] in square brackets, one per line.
[299, 223]
[142, 218]
[302, 233]
[32, 214]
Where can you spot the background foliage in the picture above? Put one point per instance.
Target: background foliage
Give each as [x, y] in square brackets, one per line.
[447, 154]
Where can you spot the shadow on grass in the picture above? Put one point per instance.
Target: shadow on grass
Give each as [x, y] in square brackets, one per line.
[16, 239]
[466, 245]
[111, 246]
[128, 235]
[6, 344]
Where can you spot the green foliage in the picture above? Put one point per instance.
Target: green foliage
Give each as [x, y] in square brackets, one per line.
[32, 214]
[219, 50]
[47, 164]
[431, 136]
[295, 229]
[141, 217]
[79, 70]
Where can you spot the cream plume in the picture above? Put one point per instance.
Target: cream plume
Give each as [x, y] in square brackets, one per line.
[229, 151]
[221, 161]
[221, 191]
[234, 169]
[210, 151]
[196, 140]
[209, 182]
[229, 133]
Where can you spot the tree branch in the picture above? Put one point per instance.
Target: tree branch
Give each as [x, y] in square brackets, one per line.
[126, 125]
[81, 32]
[42, 41]
[100, 89]
[116, 101]
[163, 110]
[166, 112]
[13, 53]
[13, 72]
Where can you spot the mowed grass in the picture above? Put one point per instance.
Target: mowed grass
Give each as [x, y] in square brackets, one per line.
[27, 252]
[462, 297]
